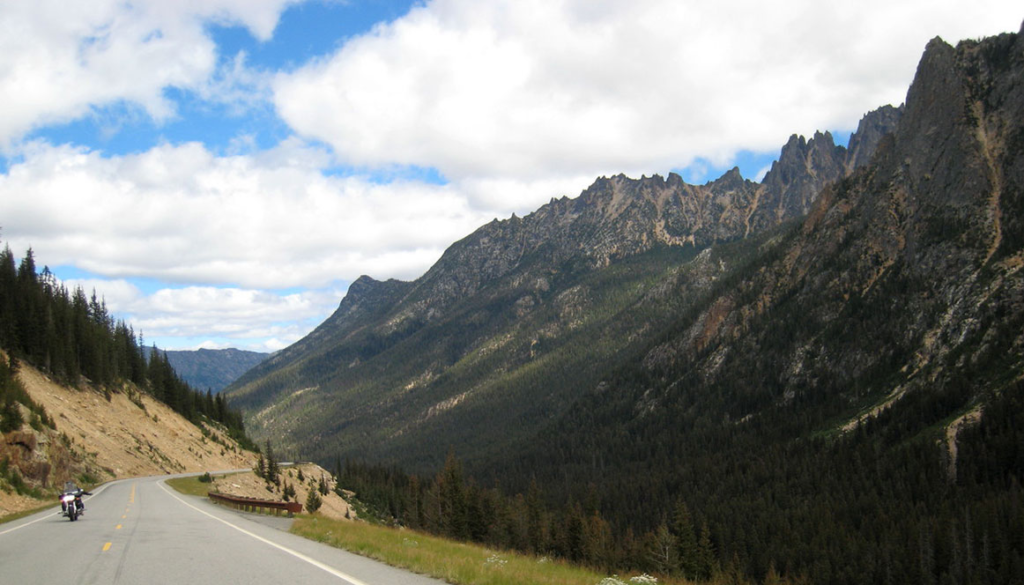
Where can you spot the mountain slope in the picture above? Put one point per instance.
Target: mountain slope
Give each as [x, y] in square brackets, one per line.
[403, 370]
[213, 369]
[98, 439]
[827, 407]
[836, 394]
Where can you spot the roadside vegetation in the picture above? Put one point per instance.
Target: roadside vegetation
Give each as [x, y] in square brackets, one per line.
[191, 486]
[23, 513]
[456, 562]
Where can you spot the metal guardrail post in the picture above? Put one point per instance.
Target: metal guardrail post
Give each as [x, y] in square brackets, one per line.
[255, 505]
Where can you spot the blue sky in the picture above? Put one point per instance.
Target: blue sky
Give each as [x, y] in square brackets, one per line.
[221, 171]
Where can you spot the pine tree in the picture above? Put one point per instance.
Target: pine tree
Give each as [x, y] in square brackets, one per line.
[273, 471]
[261, 467]
[452, 499]
[313, 501]
[536, 519]
[705, 566]
[686, 540]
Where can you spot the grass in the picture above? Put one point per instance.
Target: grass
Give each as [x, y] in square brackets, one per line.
[24, 513]
[455, 562]
[190, 486]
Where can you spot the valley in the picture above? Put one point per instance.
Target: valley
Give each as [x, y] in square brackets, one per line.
[814, 378]
[827, 343]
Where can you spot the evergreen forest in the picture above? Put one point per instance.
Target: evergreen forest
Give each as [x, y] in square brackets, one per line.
[880, 505]
[74, 339]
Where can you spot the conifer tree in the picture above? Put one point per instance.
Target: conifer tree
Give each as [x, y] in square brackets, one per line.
[536, 519]
[261, 467]
[705, 567]
[273, 471]
[686, 540]
[313, 501]
[452, 499]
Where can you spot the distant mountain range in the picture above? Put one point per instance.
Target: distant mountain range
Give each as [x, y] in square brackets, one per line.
[826, 366]
[402, 370]
[213, 369]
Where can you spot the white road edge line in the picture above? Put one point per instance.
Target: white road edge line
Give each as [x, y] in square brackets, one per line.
[47, 515]
[295, 554]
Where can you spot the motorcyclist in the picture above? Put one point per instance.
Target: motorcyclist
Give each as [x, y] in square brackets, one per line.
[71, 488]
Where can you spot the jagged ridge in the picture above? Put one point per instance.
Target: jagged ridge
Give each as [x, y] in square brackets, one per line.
[478, 295]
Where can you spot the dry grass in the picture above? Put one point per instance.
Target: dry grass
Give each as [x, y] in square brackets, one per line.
[190, 486]
[454, 562]
[19, 515]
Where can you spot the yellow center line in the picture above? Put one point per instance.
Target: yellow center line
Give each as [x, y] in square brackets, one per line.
[106, 547]
[123, 517]
[118, 527]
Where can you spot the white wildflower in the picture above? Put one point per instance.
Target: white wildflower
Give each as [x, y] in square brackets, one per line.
[495, 561]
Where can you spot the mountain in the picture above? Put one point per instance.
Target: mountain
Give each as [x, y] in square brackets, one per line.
[849, 403]
[213, 369]
[521, 317]
[826, 367]
[79, 400]
[90, 436]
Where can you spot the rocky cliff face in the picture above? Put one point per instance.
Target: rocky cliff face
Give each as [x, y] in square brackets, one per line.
[518, 285]
[618, 217]
[887, 321]
[929, 216]
[872, 128]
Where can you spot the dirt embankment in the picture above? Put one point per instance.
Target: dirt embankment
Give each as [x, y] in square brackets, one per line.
[302, 478]
[97, 439]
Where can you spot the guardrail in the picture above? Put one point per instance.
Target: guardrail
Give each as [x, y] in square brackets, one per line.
[254, 505]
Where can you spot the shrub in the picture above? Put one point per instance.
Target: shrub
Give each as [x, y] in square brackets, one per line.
[313, 502]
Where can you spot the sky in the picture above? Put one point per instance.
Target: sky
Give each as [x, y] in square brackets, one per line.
[219, 171]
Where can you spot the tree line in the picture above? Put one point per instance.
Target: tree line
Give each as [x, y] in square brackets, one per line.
[854, 510]
[453, 505]
[74, 338]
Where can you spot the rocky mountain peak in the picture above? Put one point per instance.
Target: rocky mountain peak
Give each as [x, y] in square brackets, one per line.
[870, 130]
[615, 219]
[618, 217]
[731, 180]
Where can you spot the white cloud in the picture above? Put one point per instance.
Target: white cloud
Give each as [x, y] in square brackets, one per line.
[538, 89]
[58, 59]
[181, 214]
[220, 317]
[513, 101]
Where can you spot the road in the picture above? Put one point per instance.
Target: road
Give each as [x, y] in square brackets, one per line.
[142, 531]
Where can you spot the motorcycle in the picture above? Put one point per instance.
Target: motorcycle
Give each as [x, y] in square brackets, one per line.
[71, 504]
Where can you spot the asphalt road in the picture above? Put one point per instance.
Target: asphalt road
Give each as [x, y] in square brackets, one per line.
[142, 531]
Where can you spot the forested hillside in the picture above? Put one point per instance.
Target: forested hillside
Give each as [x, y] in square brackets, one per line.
[847, 406]
[519, 318]
[74, 339]
[819, 376]
[213, 369]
